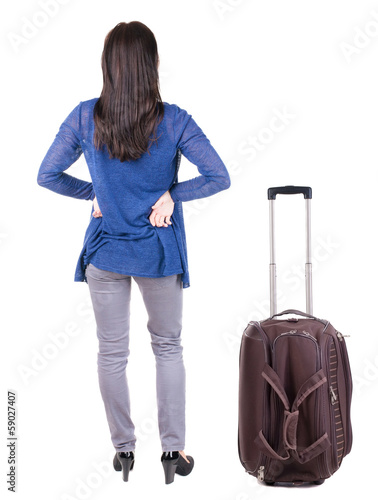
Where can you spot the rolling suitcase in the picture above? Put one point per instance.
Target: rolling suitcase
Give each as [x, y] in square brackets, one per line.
[295, 386]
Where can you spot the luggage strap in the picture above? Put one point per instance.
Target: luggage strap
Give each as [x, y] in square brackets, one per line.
[291, 415]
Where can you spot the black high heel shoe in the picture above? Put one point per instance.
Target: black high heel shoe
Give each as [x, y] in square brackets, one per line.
[124, 461]
[173, 462]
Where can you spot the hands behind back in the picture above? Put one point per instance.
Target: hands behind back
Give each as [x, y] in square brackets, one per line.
[161, 211]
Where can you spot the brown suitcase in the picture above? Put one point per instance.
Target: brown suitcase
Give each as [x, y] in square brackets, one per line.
[295, 387]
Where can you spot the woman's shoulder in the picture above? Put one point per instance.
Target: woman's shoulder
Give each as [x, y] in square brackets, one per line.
[86, 113]
[173, 108]
[85, 108]
[175, 114]
[176, 120]
[89, 103]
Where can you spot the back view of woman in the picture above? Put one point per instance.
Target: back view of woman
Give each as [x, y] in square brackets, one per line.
[132, 143]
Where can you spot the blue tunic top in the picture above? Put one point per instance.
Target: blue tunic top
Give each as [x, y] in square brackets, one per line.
[123, 240]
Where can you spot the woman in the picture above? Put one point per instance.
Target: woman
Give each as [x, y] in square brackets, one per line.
[132, 142]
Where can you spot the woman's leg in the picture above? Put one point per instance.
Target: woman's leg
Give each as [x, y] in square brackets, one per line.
[163, 300]
[110, 294]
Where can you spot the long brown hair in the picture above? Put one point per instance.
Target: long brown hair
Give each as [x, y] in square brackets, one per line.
[130, 106]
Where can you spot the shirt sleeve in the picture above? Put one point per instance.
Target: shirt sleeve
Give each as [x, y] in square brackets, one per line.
[63, 152]
[196, 147]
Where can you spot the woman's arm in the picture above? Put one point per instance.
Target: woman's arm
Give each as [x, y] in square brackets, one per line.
[63, 152]
[196, 147]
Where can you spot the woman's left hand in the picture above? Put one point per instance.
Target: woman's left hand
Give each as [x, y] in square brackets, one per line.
[162, 211]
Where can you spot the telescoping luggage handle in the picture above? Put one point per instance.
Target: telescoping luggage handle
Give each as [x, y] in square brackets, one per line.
[307, 193]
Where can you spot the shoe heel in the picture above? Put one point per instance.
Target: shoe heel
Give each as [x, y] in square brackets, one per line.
[169, 467]
[127, 464]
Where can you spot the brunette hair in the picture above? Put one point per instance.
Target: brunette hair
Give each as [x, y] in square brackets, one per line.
[130, 108]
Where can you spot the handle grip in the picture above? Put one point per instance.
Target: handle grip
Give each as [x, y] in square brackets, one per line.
[305, 190]
[293, 311]
[299, 313]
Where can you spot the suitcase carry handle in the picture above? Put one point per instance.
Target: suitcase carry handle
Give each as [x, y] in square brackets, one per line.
[305, 190]
[307, 193]
[293, 311]
[300, 313]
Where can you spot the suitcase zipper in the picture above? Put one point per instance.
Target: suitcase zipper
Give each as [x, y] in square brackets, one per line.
[260, 473]
[333, 395]
[340, 336]
[297, 333]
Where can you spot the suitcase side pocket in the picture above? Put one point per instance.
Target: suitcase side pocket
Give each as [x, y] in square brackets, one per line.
[345, 389]
[335, 426]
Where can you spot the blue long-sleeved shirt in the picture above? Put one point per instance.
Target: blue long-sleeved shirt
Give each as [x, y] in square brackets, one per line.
[123, 240]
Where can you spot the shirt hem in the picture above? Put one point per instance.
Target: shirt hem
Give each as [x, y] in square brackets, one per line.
[135, 273]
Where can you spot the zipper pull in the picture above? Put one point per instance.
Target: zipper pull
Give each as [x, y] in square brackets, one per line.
[340, 336]
[333, 395]
[260, 473]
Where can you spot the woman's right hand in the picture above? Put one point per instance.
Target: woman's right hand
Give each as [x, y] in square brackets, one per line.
[162, 211]
[97, 211]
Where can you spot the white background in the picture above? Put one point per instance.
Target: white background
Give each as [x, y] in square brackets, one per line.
[234, 65]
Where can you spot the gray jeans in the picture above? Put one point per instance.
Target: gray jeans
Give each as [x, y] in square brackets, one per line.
[110, 295]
